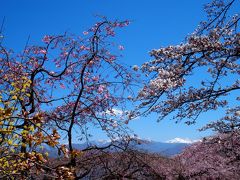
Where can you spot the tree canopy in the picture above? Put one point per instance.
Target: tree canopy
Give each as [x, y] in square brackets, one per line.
[199, 74]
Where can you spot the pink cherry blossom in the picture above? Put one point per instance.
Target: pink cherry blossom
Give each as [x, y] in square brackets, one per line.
[101, 89]
[120, 47]
[46, 39]
[85, 33]
[95, 78]
[62, 86]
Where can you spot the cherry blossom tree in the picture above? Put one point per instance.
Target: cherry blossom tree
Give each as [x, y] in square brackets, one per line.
[215, 157]
[198, 75]
[227, 124]
[49, 91]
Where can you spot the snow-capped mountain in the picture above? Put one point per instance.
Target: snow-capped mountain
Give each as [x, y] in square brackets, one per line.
[182, 140]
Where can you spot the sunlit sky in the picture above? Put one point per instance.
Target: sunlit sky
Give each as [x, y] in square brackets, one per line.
[154, 23]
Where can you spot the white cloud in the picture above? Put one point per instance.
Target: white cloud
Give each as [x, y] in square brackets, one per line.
[116, 112]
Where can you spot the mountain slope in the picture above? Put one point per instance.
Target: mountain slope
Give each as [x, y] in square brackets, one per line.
[167, 149]
[164, 148]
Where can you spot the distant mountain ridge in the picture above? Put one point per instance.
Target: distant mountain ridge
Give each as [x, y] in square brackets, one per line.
[163, 148]
[169, 148]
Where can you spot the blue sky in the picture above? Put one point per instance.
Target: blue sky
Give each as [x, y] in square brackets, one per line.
[155, 23]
